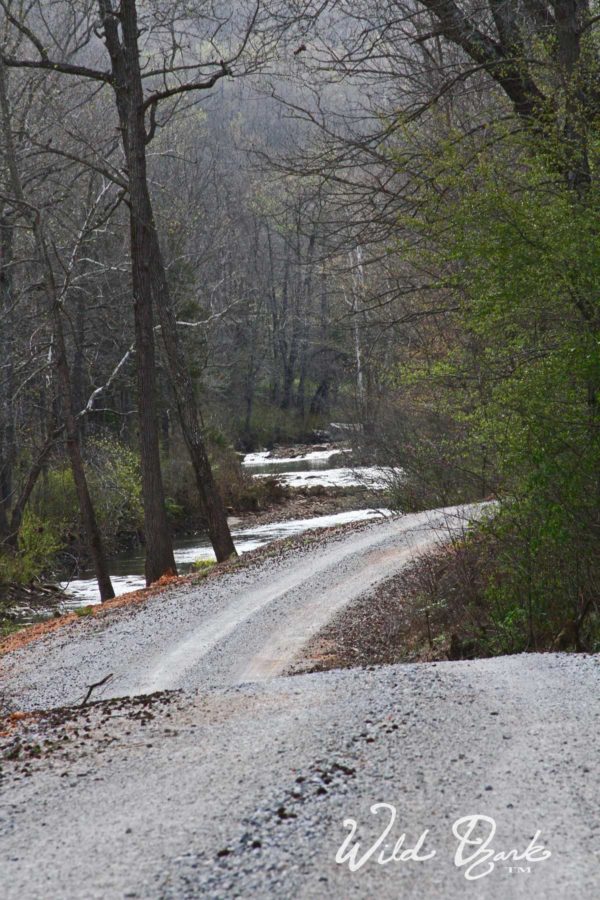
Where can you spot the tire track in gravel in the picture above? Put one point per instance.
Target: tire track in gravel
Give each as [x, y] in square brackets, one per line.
[262, 630]
[246, 625]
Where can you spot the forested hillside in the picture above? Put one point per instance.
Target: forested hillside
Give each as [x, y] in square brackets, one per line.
[224, 227]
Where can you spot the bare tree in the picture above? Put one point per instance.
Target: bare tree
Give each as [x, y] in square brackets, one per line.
[30, 213]
[137, 109]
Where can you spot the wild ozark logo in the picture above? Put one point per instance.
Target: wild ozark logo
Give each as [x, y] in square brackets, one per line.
[476, 853]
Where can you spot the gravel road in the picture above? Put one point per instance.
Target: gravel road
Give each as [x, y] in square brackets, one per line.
[245, 626]
[227, 789]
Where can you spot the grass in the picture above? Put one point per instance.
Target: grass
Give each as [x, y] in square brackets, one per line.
[203, 566]
[8, 627]
[83, 611]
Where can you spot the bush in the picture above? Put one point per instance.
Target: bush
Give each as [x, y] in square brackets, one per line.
[115, 484]
[518, 383]
[115, 487]
[239, 490]
[37, 545]
[543, 586]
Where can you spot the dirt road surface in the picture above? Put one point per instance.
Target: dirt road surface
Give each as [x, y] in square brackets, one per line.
[239, 782]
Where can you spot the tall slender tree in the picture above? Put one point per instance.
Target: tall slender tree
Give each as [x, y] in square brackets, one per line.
[30, 213]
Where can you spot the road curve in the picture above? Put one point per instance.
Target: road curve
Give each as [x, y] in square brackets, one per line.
[245, 787]
[245, 626]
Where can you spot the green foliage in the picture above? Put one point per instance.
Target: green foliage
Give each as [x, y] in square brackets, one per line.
[37, 545]
[203, 566]
[520, 254]
[239, 490]
[7, 627]
[84, 611]
[55, 498]
[114, 483]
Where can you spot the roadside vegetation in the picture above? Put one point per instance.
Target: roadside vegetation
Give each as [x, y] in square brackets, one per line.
[455, 602]
[513, 413]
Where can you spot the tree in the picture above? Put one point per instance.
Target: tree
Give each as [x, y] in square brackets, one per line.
[53, 299]
[137, 111]
[475, 169]
[514, 250]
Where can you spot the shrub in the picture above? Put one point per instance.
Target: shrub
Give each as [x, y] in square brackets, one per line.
[37, 545]
[115, 486]
[518, 381]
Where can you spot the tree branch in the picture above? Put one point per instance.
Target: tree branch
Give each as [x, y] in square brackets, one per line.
[61, 67]
[498, 60]
[89, 407]
[44, 62]
[157, 96]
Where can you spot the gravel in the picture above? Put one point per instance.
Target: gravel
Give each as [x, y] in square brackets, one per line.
[225, 789]
[246, 625]
[243, 791]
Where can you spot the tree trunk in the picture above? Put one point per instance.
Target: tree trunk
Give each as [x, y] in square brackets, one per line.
[320, 402]
[77, 367]
[307, 298]
[90, 524]
[272, 300]
[151, 290]
[189, 417]
[7, 428]
[34, 473]
[160, 559]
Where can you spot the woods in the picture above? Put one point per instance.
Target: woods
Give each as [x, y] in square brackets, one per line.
[224, 227]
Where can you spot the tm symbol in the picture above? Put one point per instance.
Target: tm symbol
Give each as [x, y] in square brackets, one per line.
[519, 870]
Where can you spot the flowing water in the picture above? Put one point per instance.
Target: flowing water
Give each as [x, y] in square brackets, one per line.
[323, 468]
[127, 572]
[314, 468]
